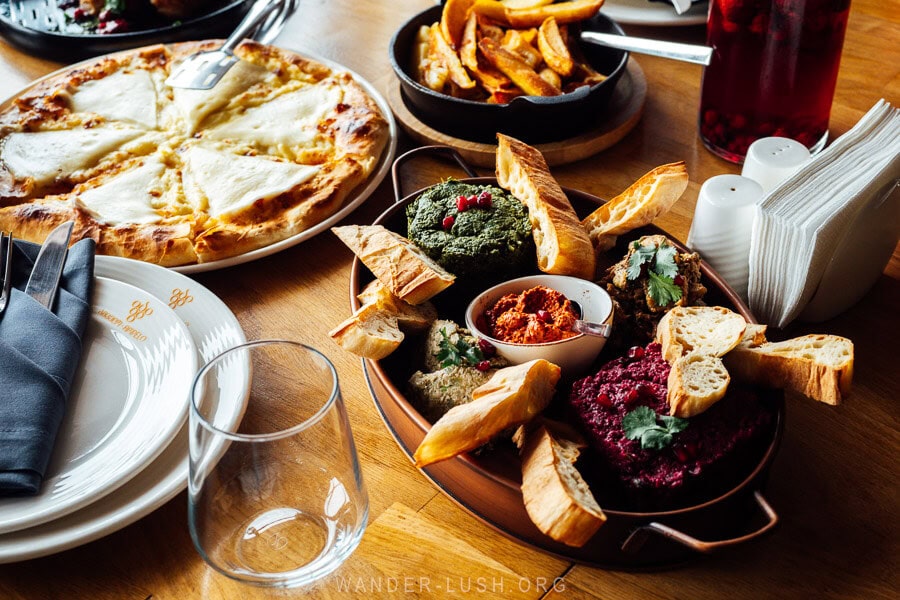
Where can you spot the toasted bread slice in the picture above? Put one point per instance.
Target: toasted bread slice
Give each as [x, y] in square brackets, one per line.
[696, 382]
[514, 395]
[644, 200]
[711, 330]
[817, 366]
[370, 332]
[557, 499]
[410, 318]
[563, 246]
[404, 269]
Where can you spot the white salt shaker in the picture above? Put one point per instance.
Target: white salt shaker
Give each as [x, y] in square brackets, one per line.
[722, 225]
[771, 160]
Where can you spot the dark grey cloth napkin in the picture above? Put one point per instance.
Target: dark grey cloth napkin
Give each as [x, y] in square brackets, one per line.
[39, 355]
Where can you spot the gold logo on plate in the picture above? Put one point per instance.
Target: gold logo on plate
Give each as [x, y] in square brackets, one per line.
[180, 298]
[139, 310]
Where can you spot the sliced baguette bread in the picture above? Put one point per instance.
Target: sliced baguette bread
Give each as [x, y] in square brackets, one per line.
[370, 332]
[404, 269]
[644, 200]
[514, 395]
[409, 318]
[563, 246]
[817, 366]
[696, 382]
[711, 330]
[557, 499]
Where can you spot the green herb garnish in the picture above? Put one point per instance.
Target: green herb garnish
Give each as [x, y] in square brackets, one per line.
[663, 290]
[640, 256]
[453, 354]
[116, 6]
[661, 271]
[640, 424]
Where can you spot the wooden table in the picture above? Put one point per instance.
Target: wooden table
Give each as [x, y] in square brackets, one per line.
[834, 482]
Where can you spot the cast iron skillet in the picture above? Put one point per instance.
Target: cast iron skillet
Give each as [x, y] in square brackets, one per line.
[488, 486]
[531, 119]
[219, 22]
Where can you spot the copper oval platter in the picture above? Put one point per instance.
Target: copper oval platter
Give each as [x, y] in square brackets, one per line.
[488, 485]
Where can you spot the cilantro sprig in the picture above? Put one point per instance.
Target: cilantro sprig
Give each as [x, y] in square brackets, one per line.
[453, 354]
[640, 424]
[661, 271]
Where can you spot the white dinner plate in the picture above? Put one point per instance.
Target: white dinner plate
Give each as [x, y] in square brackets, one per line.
[642, 12]
[213, 328]
[357, 197]
[129, 398]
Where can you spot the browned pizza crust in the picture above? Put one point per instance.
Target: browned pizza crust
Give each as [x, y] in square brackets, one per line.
[283, 216]
[164, 244]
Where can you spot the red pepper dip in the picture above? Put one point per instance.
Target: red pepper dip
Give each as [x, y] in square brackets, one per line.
[535, 316]
[705, 449]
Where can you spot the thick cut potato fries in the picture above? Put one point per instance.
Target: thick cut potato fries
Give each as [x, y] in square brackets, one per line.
[564, 12]
[554, 49]
[521, 73]
[453, 20]
[495, 50]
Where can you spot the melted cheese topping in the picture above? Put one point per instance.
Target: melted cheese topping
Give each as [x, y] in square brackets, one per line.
[125, 96]
[127, 198]
[225, 184]
[288, 120]
[196, 105]
[45, 156]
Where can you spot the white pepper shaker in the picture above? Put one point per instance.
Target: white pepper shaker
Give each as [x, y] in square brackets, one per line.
[771, 160]
[722, 226]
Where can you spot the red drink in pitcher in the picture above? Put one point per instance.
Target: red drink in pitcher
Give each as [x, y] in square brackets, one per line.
[773, 72]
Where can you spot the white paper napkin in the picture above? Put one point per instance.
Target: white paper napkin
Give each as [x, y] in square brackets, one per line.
[800, 224]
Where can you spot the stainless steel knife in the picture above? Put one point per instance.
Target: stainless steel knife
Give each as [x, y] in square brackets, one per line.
[692, 53]
[44, 280]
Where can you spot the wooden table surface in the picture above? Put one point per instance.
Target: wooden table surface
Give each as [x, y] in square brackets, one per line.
[834, 482]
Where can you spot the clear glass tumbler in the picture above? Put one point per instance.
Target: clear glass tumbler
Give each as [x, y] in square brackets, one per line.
[773, 72]
[275, 494]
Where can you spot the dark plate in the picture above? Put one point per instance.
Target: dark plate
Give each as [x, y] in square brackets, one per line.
[68, 47]
[530, 118]
[488, 485]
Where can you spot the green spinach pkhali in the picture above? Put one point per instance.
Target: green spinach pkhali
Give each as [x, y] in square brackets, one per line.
[481, 241]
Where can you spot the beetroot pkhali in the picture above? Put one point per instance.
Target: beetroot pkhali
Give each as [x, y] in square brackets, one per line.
[600, 402]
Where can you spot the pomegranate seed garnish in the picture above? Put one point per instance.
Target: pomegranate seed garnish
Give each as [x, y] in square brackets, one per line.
[484, 199]
[681, 455]
[636, 352]
[644, 390]
[679, 280]
[544, 316]
[483, 365]
[448, 222]
[604, 400]
[691, 449]
[631, 396]
[79, 14]
[105, 15]
[486, 348]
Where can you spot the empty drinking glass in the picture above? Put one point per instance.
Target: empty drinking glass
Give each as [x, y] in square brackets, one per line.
[275, 494]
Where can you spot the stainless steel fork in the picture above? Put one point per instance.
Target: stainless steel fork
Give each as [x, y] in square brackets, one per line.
[6, 251]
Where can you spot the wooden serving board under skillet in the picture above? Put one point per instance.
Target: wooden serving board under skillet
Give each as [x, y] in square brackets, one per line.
[624, 109]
